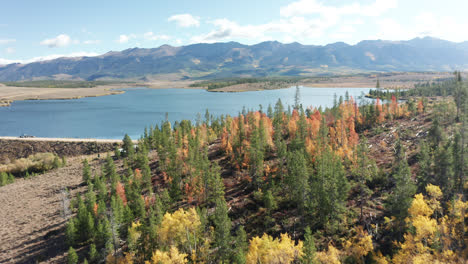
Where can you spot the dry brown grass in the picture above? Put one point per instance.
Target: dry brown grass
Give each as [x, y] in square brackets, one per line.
[37, 163]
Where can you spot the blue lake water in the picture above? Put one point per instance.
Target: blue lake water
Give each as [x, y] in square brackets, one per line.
[114, 115]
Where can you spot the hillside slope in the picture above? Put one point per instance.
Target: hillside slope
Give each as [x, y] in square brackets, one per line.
[264, 59]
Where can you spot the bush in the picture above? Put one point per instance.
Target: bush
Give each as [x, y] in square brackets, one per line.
[37, 163]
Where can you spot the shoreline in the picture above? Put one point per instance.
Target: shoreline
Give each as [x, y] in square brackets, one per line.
[403, 80]
[50, 139]
[9, 94]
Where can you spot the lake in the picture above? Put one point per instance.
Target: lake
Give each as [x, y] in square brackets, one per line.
[114, 115]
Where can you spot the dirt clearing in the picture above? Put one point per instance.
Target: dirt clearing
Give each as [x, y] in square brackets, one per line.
[31, 214]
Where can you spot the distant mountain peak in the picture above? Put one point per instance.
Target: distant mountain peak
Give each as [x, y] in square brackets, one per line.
[230, 59]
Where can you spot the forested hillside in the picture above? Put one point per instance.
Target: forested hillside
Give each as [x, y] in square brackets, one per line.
[376, 182]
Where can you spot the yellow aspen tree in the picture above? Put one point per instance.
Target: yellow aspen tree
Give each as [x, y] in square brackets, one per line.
[180, 229]
[359, 245]
[267, 250]
[331, 256]
[171, 257]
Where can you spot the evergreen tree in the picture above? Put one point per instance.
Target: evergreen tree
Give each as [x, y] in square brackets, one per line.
[103, 233]
[215, 185]
[117, 153]
[86, 171]
[424, 175]
[110, 171]
[365, 170]
[297, 178]
[127, 147]
[222, 230]
[435, 133]
[297, 98]
[329, 189]
[71, 232]
[269, 201]
[400, 199]
[443, 169]
[309, 249]
[72, 256]
[241, 246]
[93, 254]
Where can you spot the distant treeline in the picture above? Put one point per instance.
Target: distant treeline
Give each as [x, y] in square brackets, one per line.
[58, 84]
[215, 84]
[445, 87]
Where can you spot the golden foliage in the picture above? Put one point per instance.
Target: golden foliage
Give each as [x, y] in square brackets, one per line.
[127, 259]
[171, 257]
[267, 250]
[331, 256]
[178, 228]
[433, 241]
[359, 245]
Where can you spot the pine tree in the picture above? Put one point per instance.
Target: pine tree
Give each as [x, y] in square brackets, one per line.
[127, 147]
[241, 246]
[215, 185]
[297, 178]
[365, 170]
[329, 189]
[72, 256]
[222, 230]
[110, 171]
[71, 232]
[269, 201]
[103, 233]
[86, 171]
[400, 199]
[297, 98]
[93, 254]
[443, 169]
[424, 175]
[309, 248]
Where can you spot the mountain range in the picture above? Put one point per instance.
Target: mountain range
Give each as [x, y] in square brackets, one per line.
[231, 59]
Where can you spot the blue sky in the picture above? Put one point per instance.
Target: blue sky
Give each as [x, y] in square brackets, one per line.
[32, 30]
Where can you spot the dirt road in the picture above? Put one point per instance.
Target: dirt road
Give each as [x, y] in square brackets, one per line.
[31, 215]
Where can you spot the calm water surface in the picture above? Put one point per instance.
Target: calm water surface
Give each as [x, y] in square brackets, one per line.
[114, 115]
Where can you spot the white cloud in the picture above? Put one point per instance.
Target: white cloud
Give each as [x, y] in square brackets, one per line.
[6, 61]
[315, 7]
[445, 27]
[61, 40]
[297, 27]
[424, 24]
[125, 38]
[10, 50]
[91, 42]
[7, 41]
[49, 57]
[185, 20]
[151, 36]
